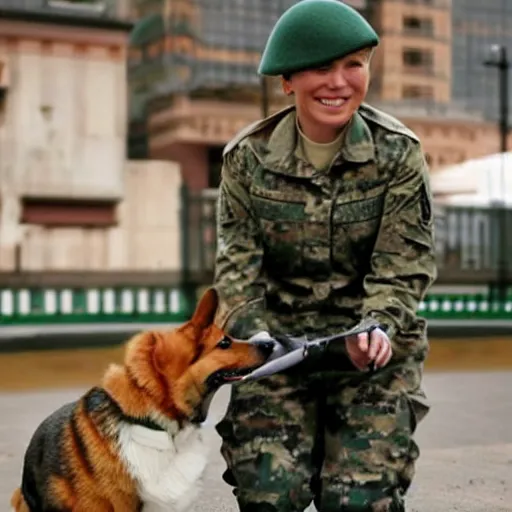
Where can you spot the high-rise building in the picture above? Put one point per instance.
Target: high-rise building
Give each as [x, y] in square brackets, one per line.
[477, 26]
[413, 64]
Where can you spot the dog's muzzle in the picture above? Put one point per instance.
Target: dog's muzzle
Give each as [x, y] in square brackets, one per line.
[264, 343]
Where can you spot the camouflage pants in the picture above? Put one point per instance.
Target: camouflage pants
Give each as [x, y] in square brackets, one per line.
[343, 441]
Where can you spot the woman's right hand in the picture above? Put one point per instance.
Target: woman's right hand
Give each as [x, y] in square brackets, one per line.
[363, 348]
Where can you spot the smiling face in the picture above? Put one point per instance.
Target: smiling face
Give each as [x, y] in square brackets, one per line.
[327, 97]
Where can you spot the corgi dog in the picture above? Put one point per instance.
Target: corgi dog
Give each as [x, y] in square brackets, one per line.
[133, 444]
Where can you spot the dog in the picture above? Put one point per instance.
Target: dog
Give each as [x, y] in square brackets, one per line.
[134, 443]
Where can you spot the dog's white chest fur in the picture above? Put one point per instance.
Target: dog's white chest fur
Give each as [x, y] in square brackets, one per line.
[167, 468]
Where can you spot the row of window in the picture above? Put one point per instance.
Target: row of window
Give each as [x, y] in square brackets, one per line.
[418, 57]
[417, 25]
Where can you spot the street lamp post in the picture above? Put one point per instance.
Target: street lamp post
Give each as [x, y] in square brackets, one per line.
[498, 58]
[265, 97]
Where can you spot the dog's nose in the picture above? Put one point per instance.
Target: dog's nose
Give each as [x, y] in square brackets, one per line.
[266, 347]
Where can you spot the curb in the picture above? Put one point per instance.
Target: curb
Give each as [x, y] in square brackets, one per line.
[52, 337]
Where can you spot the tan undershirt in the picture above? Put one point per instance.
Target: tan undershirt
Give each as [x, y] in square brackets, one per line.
[319, 155]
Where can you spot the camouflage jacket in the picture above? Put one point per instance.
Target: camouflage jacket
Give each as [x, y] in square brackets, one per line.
[302, 251]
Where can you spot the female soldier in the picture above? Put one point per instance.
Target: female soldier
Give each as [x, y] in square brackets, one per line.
[325, 220]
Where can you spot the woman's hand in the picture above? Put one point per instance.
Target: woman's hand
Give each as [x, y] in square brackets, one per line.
[363, 348]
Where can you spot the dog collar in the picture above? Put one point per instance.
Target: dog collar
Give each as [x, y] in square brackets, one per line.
[144, 422]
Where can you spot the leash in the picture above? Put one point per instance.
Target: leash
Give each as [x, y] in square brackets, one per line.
[290, 351]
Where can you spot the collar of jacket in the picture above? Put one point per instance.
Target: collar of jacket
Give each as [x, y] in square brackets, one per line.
[279, 152]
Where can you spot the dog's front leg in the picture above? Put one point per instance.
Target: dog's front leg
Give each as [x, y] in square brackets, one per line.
[168, 476]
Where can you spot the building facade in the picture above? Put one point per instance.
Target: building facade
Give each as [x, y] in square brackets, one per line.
[477, 26]
[413, 64]
[69, 199]
[429, 72]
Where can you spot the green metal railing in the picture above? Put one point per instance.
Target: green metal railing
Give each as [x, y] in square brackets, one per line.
[40, 306]
[96, 305]
[466, 307]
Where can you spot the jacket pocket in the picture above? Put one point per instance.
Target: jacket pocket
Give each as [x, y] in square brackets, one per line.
[355, 222]
[282, 226]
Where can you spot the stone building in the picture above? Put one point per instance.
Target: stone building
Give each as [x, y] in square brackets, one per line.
[69, 199]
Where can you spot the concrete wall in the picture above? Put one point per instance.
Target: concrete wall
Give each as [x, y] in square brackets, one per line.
[64, 123]
[149, 232]
[147, 236]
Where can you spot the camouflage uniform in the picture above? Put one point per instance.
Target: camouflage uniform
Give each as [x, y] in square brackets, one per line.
[307, 252]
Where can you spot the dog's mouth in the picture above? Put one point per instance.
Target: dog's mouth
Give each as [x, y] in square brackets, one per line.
[226, 376]
[212, 384]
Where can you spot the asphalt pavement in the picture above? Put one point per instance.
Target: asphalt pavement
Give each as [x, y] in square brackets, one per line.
[466, 444]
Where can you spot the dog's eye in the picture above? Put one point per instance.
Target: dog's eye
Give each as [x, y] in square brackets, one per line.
[224, 343]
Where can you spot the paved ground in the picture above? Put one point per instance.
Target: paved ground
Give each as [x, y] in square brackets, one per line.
[466, 441]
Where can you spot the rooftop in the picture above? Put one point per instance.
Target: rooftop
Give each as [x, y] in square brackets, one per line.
[479, 181]
[93, 13]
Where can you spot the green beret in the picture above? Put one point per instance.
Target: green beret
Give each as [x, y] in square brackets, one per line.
[312, 33]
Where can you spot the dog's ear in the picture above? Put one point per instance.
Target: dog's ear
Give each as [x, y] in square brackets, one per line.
[204, 314]
[171, 354]
[146, 356]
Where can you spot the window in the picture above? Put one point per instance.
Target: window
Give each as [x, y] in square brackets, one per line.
[412, 22]
[66, 213]
[418, 26]
[413, 57]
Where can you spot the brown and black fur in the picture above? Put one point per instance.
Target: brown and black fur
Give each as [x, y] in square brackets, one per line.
[72, 461]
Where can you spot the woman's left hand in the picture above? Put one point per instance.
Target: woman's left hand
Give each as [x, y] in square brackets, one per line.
[363, 348]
